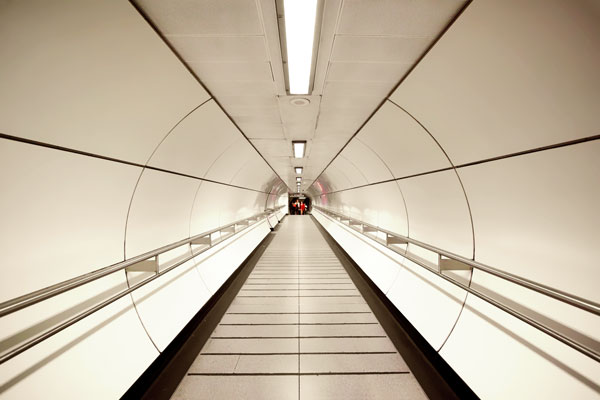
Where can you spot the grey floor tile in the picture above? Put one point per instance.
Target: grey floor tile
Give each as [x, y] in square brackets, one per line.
[336, 318]
[332, 308]
[267, 364]
[352, 363]
[345, 345]
[329, 292]
[326, 286]
[342, 330]
[270, 286]
[331, 299]
[259, 318]
[397, 387]
[256, 331]
[262, 308]
[286, 281]
[267, 293]
[325, 280]
[288, 301]
[237, 387]
[222, 346]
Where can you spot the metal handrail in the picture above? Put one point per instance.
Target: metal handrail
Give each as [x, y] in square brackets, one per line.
[576, 301]
[35, 297]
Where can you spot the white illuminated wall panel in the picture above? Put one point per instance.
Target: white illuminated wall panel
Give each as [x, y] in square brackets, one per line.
[84, 75]
[62, 215]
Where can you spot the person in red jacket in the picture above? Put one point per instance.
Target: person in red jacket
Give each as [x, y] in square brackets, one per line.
[302, 208]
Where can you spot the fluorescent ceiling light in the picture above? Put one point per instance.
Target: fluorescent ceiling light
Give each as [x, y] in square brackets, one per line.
[298, 170]
[300, 17]
[298, 179]
[299, 148]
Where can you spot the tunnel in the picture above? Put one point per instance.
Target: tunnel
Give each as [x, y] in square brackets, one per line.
[150, 152]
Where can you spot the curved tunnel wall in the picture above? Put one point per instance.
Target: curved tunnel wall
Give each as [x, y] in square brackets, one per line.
[110, 148]
[489, 149]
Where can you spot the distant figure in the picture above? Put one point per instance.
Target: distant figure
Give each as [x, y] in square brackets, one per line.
[302, 208]
[294, 208]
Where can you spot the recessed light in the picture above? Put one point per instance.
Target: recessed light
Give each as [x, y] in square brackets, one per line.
[298, 179]
[300, 101]
[299, 147]
[298, 170]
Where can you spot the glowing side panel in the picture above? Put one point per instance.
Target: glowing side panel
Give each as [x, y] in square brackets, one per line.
[438, 212]
[103, 354]
[93, 76]
[486, 90]
[62, 215]
[160, 211]
[198, 140]
[500, 357]
[536, 216]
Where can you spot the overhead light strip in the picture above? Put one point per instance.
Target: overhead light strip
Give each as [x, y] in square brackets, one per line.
[298, 170]
[300, 18]
[299, 147]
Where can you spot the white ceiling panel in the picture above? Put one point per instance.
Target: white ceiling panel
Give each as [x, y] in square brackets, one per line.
[244, 100]
[262, 131]
[196, 142]
[487, 91]
[90, 76]
[402, 143]
[206, 17]
[220, 48]
[342, 90]
[407, 18]
[251, 110]
[342, 121]
[234, 88]
[267, 120]
[378, 48]
[299, 132]
[367, 161]
[238, 71]
[273, 147]
[367, 71]
[353, 104]
[299, 114]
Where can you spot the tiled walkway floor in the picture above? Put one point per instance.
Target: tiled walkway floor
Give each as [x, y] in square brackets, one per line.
[299, 329]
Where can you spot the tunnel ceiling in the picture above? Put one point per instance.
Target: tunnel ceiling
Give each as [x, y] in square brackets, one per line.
[365, 49]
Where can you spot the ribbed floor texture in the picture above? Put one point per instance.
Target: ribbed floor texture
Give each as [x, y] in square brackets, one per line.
[299, 329]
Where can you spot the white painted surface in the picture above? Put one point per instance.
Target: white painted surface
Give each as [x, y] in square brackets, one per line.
[215, 266]
[509, 76]
[536, 216]
[110, 344]
[438, 213]
[507, 358]
[62, 215]
[160, 211]
[197, 142]
[91, 76]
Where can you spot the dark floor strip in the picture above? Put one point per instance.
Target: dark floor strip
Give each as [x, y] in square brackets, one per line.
[296, 374]
[299, 353]
[330, 295]
[298, 337]
[295, 313]
[308, 323]
[295, 289]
